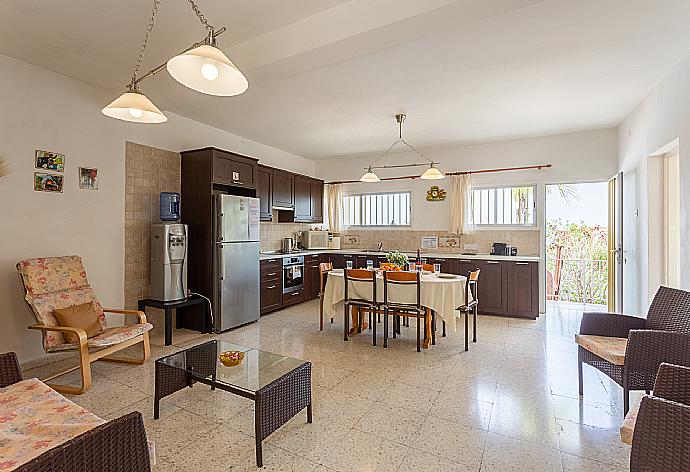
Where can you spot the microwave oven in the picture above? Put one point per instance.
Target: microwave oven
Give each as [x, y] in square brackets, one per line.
[315, 239]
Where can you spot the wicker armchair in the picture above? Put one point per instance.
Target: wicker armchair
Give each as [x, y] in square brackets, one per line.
[661, 438]
[52, 283]
[117, 446]
[630, 349]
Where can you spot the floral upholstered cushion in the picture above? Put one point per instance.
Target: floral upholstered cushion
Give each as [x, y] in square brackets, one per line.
[110, 336]
[608, 348]
[56, 282]
[35, 418]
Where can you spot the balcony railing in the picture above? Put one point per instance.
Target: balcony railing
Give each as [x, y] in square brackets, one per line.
[577, 280]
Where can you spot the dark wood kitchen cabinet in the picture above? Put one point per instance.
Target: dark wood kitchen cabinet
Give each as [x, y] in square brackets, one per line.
[312, 276]
[233, 169]
[465, 266]
[283, 193]
[264, 191]
[337, 260]
[271, 285]
[523, 289]
[448, 266]
[493, 287]
[308, 200]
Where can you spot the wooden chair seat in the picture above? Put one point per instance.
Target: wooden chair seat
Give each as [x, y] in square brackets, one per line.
[608, 348]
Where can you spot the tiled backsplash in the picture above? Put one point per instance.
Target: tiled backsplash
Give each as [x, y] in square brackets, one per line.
[148, 171]
[527, 241]
[272, 234]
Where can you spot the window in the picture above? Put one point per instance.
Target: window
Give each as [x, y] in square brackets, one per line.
[513, 206]
[377, 209]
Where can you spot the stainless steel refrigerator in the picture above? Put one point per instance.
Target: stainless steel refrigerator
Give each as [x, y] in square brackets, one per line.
[237, 261]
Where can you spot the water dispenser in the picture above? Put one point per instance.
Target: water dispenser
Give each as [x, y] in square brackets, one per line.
[169, 261]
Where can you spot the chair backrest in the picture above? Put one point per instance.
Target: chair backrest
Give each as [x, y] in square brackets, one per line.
[360, 276]
[324, 269]
[402, 278]
[670, 310]
[472, 285]
[51, 283]
[429, 267]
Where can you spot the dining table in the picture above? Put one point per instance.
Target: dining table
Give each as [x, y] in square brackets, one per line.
[442, 294]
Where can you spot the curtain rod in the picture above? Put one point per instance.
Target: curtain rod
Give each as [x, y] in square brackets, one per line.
[483, 171]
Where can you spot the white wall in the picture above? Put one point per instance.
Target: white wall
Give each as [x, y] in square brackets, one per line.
[659, 120]
[44, 110]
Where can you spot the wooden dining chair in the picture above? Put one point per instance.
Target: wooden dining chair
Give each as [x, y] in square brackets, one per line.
[324, 269]
[399, 309]
[428, 267]
[471, 305]
[362, 277]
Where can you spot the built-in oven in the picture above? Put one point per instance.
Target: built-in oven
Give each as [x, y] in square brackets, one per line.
[293, 273]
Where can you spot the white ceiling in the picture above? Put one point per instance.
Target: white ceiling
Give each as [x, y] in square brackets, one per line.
[327, 76]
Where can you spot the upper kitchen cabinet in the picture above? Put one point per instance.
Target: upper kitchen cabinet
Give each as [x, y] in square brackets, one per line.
[283, 193]
[264, 190]
[308, 200]
[233, 169]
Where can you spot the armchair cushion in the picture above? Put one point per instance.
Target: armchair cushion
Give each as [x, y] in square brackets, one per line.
[628, 427]
[110, 336]
[608, 348]
[82, 316]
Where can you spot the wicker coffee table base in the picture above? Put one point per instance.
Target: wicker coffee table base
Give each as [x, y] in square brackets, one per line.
[274, 405]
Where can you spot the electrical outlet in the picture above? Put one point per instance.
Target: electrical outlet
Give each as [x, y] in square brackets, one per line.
[470, 247]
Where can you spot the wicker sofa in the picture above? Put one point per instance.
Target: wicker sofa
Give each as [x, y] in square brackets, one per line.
[119, 445]
[630, 349]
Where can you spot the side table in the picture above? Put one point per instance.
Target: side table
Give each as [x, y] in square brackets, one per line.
[168, 307]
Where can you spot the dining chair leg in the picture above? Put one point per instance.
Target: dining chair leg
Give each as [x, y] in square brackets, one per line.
[474, 325]
[385, 327]
[346, 322]
[418, 331]
[321, 312]
[370, 322]
[359, 320]
[396, 320]
[444, 329]
[433, 327]
[373, 327]
[467, 328]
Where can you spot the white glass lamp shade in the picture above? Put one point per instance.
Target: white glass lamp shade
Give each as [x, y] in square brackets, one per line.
[135, 107]
[370, 177]
[432, 173]
[207, 70]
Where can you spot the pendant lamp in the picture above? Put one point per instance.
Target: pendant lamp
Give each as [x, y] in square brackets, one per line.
[432, 173]
[370, 176]
[134, 106]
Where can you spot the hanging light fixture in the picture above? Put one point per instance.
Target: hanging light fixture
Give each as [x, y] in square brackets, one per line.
[202, 67]
[432, 173]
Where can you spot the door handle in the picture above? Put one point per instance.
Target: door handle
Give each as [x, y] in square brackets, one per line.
[465, 260]
[221, 265]
[492, 262]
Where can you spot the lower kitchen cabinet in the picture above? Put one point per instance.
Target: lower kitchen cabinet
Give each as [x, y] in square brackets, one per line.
[493, 288]
[312, 276]
[271, 285]
[293, 298]
[448, 266]
[523, 289]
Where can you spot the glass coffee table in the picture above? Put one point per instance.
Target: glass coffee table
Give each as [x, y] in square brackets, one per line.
[280, 386]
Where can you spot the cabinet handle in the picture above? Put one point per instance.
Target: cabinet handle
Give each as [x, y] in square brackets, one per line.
[465, 260]
[272, 273]
[315, 267]
[522, 263]
[237, 182]
[271, 287]
[294, 294]
[439, 260]
[492, 262]
[272, 260]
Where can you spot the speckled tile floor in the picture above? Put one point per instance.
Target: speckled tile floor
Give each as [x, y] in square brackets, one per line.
[509, 404]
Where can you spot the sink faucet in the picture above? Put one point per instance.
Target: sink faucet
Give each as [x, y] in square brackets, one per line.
[380, 246]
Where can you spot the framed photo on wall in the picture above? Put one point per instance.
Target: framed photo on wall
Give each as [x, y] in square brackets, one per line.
[48, 182]
[88, 178]
[47, 160]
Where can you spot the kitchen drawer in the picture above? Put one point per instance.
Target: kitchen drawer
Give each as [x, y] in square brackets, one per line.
[272, 263]
[271, 273]
[312, 258]
[293, 298]
[271, 294]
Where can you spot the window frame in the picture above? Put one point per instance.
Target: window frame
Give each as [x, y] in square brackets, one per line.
[392, 192]
[490, 226]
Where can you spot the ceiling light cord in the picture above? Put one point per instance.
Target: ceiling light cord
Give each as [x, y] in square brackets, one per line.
[201, 16]
[400, 119]
[144, 44]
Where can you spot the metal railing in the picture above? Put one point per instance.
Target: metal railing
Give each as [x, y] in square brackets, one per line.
[579, 280]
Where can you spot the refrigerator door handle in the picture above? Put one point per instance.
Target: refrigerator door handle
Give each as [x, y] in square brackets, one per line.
[221, 263]
[221, 226]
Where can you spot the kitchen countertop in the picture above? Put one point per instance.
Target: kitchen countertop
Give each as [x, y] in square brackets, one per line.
[439, 255]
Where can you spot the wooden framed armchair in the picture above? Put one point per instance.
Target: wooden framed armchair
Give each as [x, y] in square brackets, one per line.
[630, 349]
[53, 283]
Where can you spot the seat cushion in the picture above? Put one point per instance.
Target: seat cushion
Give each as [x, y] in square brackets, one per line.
[82, 316]
[628, 426]
[109, 337]
[608, 348]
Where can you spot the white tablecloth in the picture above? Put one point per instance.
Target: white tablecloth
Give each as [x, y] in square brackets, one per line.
[441, 295]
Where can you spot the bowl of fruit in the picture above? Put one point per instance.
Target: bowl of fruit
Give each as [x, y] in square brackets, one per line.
[231, 358]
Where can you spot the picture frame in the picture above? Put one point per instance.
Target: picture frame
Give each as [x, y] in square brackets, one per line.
[44, 182]
[429, 242]
[88, 178]
[48, 160]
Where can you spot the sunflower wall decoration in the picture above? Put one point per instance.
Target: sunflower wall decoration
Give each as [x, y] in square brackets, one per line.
[435, 194]
[4, 167]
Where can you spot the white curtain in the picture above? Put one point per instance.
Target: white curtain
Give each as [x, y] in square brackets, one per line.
[461, 221]
[334, 205]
